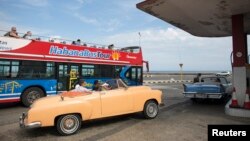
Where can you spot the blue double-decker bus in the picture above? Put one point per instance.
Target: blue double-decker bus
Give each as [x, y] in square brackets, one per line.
[31, 69]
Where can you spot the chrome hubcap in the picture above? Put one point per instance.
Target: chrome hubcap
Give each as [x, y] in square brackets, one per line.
[152, 110]
[69, 124]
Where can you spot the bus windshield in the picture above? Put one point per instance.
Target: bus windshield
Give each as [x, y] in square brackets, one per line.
[133, 49]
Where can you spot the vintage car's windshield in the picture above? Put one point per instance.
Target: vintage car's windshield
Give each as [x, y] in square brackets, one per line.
[223, 80]
[112, 83]
[121, 84]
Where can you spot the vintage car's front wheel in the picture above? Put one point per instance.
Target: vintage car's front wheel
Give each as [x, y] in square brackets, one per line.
[151, 109]
[68, 124]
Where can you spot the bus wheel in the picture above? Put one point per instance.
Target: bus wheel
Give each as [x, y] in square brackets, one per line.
[30, 95]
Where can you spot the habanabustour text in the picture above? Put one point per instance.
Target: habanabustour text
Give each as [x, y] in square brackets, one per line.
[55, 50]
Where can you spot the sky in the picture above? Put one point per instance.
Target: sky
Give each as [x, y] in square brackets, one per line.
[118, 22]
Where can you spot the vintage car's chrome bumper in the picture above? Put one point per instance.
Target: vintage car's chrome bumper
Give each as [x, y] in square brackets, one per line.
[31, 125]
[203, 95]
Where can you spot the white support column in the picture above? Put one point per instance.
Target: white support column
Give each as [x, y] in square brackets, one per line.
[239, 82]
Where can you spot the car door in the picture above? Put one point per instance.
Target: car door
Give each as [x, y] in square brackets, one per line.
[116, 102]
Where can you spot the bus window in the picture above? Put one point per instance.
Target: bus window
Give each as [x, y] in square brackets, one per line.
[74, 70]
[35, 69]
[9, 69]
[118, 70]
[63, 70]
[139, 75]
[88, 70]
[134, 49]
[26, 69]
[62, 77]
[50, 70]
[74, 75]
[133, 73]
[14, 69]
[107, 71]
[4, 69]
[134, 76]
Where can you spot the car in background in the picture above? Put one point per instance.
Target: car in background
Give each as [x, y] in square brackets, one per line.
[223, 73]
[209, 88]
[67, 110]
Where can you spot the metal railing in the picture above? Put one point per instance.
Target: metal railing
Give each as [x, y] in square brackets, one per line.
[65, 41]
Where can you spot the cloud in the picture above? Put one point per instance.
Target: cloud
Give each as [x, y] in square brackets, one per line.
[84, 1]
[166, 48]
[127, 5]
[80, 1]
[157, 36]
[77, 4]
[37, 3]
[110, 25]
[107, 26]
[86, 19]
[5, 17]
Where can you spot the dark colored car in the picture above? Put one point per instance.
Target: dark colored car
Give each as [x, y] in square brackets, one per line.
[208, 88]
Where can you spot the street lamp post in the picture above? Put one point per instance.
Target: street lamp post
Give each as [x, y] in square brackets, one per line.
[181, 70]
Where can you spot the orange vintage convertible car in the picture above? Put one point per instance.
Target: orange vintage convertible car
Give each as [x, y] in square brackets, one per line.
[67, 110]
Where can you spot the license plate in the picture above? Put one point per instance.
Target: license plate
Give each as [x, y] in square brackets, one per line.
[215, 96]
[201, 95]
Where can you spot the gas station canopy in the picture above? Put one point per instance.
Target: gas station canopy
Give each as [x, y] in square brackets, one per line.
[205, 18]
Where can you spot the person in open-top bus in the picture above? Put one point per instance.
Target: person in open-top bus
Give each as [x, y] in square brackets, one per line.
[111, 46]
[27, 35]
[12, 33]
[78, 42]
[51, 40]
[63, 42]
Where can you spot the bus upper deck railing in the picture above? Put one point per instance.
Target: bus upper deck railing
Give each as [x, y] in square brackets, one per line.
[133, 49]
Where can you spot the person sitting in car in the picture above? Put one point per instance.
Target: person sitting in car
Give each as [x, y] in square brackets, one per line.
[81, 87]
[106, 86]
[197, 78]
[96, 86]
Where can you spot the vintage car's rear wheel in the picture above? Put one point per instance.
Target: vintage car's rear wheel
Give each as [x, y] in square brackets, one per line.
[68, 124]
[151, 109]
[30, 95]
